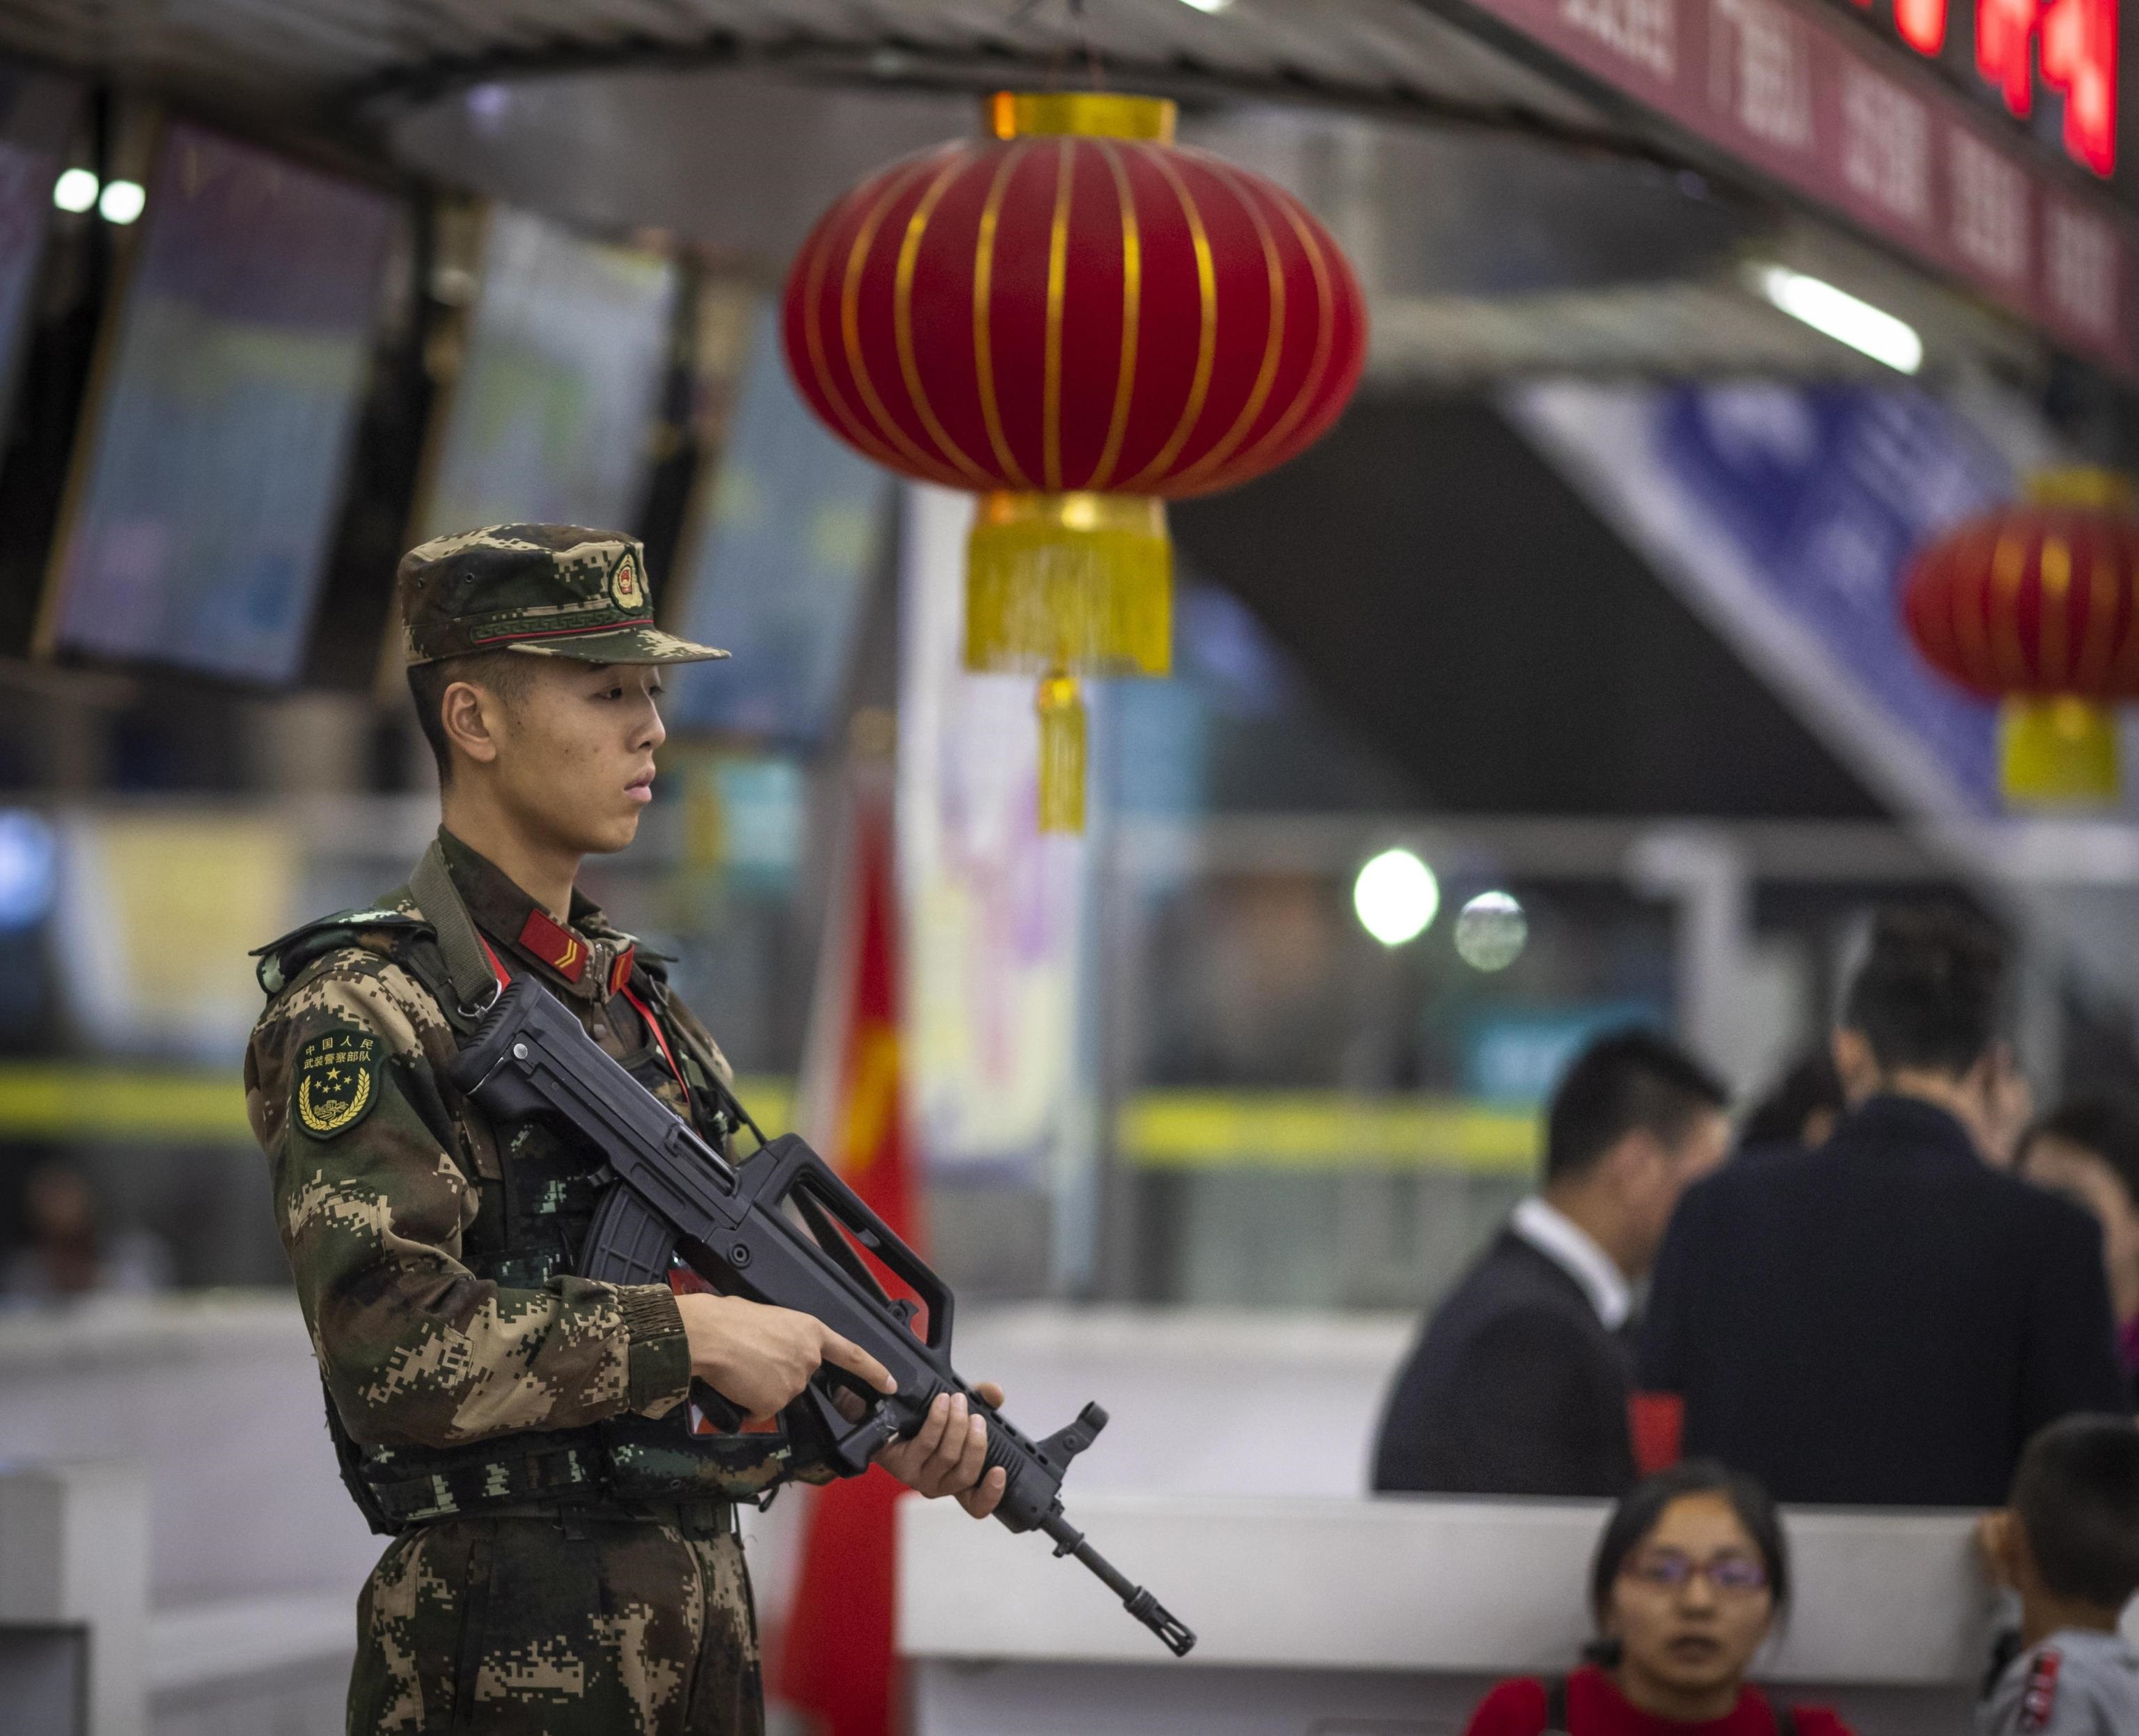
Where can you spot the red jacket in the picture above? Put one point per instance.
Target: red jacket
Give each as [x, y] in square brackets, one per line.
[1595, 1707]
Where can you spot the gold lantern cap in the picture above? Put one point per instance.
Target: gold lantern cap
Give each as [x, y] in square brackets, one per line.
[1085, 113]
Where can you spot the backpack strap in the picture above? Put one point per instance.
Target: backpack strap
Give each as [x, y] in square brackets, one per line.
[1555, 1707]
[475, 983]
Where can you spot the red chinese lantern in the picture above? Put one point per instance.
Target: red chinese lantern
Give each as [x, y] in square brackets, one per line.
[2037, 604]
[1078, 320]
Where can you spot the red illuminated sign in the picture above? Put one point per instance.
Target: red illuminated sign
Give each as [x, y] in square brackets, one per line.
[1794, 89]
[2079, 61]
[2074, 42]
[1922, 22]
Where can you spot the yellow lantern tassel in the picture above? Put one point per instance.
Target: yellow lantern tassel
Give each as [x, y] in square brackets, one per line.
[1070, 582]
[1061, 709]
[2057, 750]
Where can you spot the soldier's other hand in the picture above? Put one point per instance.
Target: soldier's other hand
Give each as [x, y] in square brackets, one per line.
[948, 1454]
[759, 1359]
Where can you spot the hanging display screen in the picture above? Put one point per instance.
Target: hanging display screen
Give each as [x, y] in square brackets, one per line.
[208, 486]
[26, 199]
[547, 423]
[795, 531]
[36, 111]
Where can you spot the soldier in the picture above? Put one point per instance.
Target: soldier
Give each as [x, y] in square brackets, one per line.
[564, 1556]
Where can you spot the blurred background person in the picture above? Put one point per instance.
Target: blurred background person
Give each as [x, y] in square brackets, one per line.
[1799, 1111]
[2069, 1545]
[1519, 1383]
[1691, 1577]
[1887, 1319]
[2088, 1150]
[70, 1252]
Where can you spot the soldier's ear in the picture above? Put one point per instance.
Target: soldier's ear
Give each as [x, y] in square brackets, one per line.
[471, 716]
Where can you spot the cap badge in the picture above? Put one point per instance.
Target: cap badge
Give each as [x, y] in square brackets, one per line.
[625, 587]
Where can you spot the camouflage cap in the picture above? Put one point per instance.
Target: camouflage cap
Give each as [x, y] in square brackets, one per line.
[554, 589]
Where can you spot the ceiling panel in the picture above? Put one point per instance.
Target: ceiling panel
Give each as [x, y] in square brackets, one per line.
[300, 55]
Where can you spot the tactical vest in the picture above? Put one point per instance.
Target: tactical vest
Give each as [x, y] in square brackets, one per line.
[532, 1226]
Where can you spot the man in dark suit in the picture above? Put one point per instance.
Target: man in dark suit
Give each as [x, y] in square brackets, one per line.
[1887, 1319]
[1518, 1385]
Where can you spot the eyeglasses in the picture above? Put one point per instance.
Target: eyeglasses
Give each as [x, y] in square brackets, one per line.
[1669, 1570]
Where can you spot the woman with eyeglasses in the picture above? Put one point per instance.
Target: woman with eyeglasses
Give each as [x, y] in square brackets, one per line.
[1689, 1578]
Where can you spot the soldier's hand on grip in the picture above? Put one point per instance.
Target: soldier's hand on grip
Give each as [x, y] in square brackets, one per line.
[948, 1455]
[760, 1358]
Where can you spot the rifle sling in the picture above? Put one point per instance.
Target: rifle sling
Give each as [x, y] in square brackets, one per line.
[467, 966]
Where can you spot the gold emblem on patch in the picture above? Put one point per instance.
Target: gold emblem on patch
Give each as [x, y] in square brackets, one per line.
[337, 1081]
[625, 587]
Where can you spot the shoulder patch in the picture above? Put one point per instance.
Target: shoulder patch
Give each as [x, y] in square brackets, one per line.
[2039, 1699]
[337, 1080]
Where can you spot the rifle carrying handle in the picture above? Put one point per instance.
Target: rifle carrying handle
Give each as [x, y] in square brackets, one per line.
[788, 1166]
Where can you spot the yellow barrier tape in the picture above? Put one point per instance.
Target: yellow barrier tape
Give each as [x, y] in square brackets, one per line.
[1158, 1130]
[57, 1102]
[61, 1101]
[1185, 1130]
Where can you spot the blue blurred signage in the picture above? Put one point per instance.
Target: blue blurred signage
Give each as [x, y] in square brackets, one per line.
[29, 860]
[1789, 515]
[1517, 1056]
[764, 803]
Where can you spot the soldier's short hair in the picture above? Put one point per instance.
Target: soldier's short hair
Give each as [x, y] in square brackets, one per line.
[502, 672]
[2077, 1498]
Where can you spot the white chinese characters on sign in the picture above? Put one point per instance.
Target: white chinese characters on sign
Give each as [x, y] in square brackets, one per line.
[2080, 261]
[1886, 145]
[1645, 32]
[1759, 71]
[1989, 206]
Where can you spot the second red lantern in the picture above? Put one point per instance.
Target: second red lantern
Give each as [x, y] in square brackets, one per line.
[2037, 604]
[1076, 319]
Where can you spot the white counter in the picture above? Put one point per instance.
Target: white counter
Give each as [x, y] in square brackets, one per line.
[1387, 1614]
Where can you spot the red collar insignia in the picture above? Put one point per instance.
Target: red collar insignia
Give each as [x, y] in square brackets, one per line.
[619, 973]
[554, 945]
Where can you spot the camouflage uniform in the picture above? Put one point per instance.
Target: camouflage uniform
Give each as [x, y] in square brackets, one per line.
[565, 1555]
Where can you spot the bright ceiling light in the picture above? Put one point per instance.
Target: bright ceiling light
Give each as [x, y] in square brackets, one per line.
[1490, 931]
[123, 201]
[1208, 6]
[1872, 330]
[76, 190]
[1395, 896]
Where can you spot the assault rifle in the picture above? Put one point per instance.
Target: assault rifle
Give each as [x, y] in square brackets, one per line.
[676, 1197]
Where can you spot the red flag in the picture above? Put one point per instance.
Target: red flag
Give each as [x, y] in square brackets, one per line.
[837, 1661]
